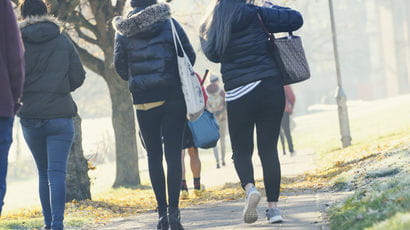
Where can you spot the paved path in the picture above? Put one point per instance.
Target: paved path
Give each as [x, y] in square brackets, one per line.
[303, 211]
[300, 211]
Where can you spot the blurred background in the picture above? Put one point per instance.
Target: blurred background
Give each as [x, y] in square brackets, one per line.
[374, 56]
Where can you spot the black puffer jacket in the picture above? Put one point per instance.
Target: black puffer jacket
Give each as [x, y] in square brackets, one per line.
[247, 57]
[53, 70]
[145, 53]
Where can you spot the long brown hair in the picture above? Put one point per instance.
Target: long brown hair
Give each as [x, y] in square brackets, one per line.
[215, 32]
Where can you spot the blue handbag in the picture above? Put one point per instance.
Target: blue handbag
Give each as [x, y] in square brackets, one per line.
[205, 130]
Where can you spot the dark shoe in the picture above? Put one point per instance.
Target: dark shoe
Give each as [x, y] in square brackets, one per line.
[223, 163]
[218, 166]
[163, 223]
[175, 219]
[162, 220]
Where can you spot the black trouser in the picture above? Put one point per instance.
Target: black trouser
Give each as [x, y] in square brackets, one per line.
[285, 131]
[264, 108]
[167, 121]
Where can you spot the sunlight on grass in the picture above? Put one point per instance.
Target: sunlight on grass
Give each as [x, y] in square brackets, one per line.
[399, 221]
[120, 202]
[335, 163]
[23, 223]
[368, 122]
[370, 205]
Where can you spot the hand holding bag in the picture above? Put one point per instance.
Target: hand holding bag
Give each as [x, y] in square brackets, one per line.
[290, 56]
[191, 87]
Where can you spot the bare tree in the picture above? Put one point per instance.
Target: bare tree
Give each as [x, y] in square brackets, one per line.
[78, 181]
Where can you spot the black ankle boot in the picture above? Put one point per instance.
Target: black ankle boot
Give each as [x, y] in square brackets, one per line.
[175, 219]
[162, 220]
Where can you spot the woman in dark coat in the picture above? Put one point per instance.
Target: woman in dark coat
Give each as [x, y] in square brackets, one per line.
[145, 56]
[53, 71]
[234, 37]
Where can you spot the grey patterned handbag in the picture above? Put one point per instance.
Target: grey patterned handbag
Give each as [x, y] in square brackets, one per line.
[290, 56]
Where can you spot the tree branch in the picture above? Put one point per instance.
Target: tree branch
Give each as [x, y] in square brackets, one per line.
[78, 19]
[85, 37]
[104, 13]
[93, 63]
[62, 9]
[119, 7]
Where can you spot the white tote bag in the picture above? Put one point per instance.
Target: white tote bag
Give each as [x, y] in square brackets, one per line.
[191, 87]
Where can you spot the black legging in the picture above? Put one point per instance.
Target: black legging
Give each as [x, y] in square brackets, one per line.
[167, 121]
[264, 108]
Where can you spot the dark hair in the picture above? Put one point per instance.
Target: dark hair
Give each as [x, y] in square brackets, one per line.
[142, 3]
[217, 28]
[33, 8]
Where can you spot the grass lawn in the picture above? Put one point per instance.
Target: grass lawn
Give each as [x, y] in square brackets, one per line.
[382, 195]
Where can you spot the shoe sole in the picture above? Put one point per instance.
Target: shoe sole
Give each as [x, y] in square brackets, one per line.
[250, 215]
[275, 220]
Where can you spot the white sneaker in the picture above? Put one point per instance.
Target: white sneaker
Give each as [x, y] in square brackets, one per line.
[273, 215]
[250, 215]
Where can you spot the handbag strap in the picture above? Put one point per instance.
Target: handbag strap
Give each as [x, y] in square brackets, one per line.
[270, 35]
[176, 38]
[265, 28]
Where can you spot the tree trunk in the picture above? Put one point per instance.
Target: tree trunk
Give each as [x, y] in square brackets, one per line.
[400, 24]
[78, 181]
[123, 120]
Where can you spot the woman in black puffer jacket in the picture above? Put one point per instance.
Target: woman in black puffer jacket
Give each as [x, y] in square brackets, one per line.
[145, 56]
[234, 37]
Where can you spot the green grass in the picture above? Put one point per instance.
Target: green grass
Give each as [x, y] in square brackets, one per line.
[369, 121]
[38, 223]
[373, 204]
[400, 221]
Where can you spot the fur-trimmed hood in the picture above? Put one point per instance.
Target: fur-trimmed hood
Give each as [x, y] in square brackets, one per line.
[39, 29]
[142, 20]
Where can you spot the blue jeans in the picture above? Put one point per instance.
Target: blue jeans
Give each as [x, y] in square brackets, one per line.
[50, 143]
[6, 137]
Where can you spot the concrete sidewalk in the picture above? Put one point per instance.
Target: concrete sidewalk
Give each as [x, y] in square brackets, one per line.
[304, 211]
[301, 210]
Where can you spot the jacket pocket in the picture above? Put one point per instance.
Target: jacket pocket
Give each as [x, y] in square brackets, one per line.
[143, 83]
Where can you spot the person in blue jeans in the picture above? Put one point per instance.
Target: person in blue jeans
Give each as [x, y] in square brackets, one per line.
[11, 85]
[6, 132]
[53, 71]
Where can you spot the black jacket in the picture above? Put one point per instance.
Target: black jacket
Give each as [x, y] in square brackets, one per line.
[145, 54]
[248, 55]
[53, 70]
